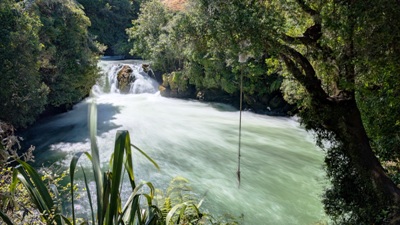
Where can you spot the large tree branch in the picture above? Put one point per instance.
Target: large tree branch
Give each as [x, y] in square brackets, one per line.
[308, 79]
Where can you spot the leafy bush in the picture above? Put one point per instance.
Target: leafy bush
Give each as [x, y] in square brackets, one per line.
[22, 93]
[15, 204]
[47, 58]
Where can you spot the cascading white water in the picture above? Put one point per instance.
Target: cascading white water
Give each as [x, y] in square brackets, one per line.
[109, 83]
[282, 176]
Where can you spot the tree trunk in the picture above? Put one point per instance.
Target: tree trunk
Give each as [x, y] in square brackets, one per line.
[351, 132]
[340, 115]
[365, 155]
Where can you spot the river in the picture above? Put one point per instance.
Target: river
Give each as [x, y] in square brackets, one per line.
[282, 179]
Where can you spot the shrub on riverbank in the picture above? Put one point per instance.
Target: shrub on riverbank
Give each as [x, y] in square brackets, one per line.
[47, 58]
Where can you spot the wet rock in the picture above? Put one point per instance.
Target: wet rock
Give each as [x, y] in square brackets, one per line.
[125, 79]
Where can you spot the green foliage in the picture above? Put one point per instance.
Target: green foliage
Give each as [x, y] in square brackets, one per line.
[179, 205]
[356, 56]
[47, 58]
[350, 207]
[109, 19]
[68, 61]
[22, 94]
[379, 65]
[175, 81]
[16, 206]
[193, 43]
[151, 37]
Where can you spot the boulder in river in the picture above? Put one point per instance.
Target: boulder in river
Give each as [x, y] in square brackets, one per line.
[125, 79]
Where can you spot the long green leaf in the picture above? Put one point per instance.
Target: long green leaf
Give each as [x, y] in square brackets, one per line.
[106, 195]
[96, 161]
[172, 212]
[118, 161]
[12, 188]
[87, 187]
[72, 167]
[59, 214]
[5, 218]
[14, 182]
[35, 197]
[132, 205]
[89, 195]
[65, 219]
[128, 161]
[148, 157]
[154, 216]
[129, 203]
[135, 209]
[40, 190]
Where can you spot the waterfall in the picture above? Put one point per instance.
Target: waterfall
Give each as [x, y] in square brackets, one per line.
[141, 81]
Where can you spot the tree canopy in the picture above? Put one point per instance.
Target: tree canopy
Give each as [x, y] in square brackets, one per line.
[197, 54]
[22, 93]
[48, 58]
[109, 19]
[339, 60]
[68, 61]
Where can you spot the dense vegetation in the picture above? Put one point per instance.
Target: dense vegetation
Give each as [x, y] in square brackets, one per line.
[48, 58]
[109, 19]
[181, 44]
[339, 61]
[22, 92]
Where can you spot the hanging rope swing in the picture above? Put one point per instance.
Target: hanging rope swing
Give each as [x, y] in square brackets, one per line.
[242, 59]
[240, 126]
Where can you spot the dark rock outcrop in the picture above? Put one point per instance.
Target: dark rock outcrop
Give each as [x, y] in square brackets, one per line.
[125, 79]
[156, 75]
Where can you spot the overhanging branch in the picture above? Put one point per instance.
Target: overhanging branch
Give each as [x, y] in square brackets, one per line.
[305, 74]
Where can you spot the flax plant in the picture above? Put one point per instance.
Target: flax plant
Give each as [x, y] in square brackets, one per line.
[139, 209]
[108, 184]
